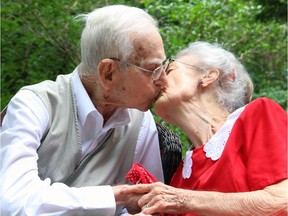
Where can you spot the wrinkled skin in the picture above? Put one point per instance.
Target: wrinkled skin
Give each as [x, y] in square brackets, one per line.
[158, 198]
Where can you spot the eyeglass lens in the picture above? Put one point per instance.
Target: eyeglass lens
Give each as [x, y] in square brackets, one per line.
[158, 71]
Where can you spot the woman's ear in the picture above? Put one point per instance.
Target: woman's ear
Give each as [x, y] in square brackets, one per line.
[106, 73]
[210, 77]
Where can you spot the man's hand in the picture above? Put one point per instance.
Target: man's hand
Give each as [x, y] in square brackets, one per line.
[129, 200]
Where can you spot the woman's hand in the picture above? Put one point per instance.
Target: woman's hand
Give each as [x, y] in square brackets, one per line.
[158, 197]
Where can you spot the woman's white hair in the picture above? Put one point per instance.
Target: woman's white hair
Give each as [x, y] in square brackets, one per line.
[234, 87]
[107, 34]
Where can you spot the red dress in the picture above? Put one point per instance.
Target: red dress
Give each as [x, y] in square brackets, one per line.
[255, 154]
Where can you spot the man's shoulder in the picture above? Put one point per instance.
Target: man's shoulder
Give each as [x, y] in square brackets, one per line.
[61, 83]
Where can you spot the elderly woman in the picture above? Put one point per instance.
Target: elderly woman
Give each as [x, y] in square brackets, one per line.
[238, 162]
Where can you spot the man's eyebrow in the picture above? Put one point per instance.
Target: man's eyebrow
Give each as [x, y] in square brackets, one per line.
[155, 61]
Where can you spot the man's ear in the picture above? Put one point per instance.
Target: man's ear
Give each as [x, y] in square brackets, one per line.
[106, 73]
[210, 77]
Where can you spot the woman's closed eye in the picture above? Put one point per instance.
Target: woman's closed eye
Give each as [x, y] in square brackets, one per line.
[170, 69]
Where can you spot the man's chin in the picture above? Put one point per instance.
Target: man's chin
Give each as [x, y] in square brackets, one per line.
[144, 107]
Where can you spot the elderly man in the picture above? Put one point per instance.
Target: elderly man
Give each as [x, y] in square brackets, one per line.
[65, 143]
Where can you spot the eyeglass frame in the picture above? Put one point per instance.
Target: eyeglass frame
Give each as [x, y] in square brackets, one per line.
[155, 75]
[193, 66]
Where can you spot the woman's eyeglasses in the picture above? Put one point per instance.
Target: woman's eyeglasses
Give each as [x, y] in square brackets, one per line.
[193, 66]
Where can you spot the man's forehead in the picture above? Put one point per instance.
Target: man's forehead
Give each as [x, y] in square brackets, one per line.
[148, 53]
[147, 47]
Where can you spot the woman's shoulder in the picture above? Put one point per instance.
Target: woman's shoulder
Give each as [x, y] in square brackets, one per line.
[264, 103]
[263, 110]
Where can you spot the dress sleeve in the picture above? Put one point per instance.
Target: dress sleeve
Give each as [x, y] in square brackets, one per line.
[265, 126]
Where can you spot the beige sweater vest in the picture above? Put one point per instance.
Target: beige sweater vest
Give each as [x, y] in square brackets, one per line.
[60, 151]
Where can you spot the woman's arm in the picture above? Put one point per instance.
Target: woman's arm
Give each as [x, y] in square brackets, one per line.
[272, 200]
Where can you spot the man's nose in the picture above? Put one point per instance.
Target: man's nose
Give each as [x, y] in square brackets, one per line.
[162, 81]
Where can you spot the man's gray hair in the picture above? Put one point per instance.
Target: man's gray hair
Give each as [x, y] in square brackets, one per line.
[107, 34]
[234, 87]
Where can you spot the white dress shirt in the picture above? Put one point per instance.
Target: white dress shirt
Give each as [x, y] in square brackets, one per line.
[24, 193]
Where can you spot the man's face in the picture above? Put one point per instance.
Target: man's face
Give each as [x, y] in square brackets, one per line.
[137, 89]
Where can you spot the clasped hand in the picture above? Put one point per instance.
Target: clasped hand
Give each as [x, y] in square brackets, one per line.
[156, 198]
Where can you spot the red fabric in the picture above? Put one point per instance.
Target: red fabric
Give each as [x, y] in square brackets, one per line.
[254, 157]
[139, 175]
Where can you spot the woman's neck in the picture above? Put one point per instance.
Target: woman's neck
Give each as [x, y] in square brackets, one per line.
[200, 120]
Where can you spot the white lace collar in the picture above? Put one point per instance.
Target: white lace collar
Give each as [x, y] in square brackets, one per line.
[215, 146]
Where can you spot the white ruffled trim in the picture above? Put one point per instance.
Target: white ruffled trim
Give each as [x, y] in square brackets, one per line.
[187, 166]
[215, 146]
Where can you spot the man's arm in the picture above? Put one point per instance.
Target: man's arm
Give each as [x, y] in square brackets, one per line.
[22, 191]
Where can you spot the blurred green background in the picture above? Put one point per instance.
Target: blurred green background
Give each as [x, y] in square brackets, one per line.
[40, 38]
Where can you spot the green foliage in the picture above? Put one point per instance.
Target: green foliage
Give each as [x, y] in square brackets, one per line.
[273, 10]
[40, 39]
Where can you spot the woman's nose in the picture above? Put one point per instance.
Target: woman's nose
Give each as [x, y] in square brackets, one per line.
[162, 81]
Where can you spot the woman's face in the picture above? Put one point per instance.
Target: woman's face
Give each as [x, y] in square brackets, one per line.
[182, 85]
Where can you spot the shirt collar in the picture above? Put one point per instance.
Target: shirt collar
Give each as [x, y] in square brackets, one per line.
[83, 102]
